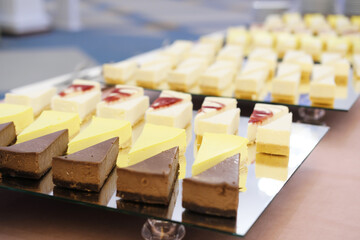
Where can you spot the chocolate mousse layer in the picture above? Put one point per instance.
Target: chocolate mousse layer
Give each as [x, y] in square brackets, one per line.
[214, 191]
[150, 181]
[7, 134]
[33, 158]
[87, 169]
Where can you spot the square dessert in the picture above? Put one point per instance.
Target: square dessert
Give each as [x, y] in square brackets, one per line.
[274, 137]
[124, 102]
[356, 67]
[172, 109]
[286, 83]
[322, 86]
[233, 53]
[178, 50]
[340, 65]
[119, 73]
[205, 51]
[217, 78]
[238, 36]
[38, 99]
[251, 80]
[313, 46]
[217, 40]
[302, 59]
[33, 158]
[286, 42]
[262, 39]
[187, 74]
[266, 55]
[338, 45]
[21, 116]
[81, 97]
[87, 169]
[7, 134]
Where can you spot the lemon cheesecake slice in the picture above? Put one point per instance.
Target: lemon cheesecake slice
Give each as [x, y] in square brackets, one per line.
[285, 42]
[217, 40]
[81, 97]
[49, 122]
[274, 138]
[38, 99]
[356, 67]
[322, 86]
[205, 51]
[172, 109]
[233, 53]
[21, 116]
[302, 59]
[340, 65]
[119, 73]
[124, 102]
[99, 130]
[178, 50]
[313, 46]
[266, 55]
[262, 115]
[285, 86]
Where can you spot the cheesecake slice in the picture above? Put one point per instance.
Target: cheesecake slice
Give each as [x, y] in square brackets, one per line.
[262, 39]
[274, 138]
[21, 116]
[266, 55]
[153, 140]
[172, 109]
[38, 99]
[217, 40]
[340, 65]
[205, 51]
[153, 72]
[302, 59]
[262, 115]
[233, 53]
[285, 86]
[7, 134]
[81, 97]
[286, 42]
[87, 169]
[124, 102]
[338, 45]
[217, 78]
[99, 130]
[51, 121]
[312, 45]
[322, 86]
[250, 81]
[119, 73]
[151, 180]
[33, 158]
[186, 75]
[214, 191]
[178, 50]
[356, 67]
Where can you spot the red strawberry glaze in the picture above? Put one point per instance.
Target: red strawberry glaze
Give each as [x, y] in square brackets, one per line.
[258, 117]
[165, 102]
[76, 88]
[217, 108]
[117, 94]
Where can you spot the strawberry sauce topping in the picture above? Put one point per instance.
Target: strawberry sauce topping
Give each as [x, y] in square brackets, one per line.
[217, 108]
[117, 94]
[76, 88]
[259, 116]
[165, 102]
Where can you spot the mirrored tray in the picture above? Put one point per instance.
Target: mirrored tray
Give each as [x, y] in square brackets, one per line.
[265, 178]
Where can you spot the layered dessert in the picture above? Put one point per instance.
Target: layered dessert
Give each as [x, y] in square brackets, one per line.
[99, 130]
[87, 169]
[266, 55]
[312, 46]
[274, 137]
[338, 45]
[356, 67]
[340, 65]
[217, 40]
[49, 122]
[286, 83]
[119, 73]
[238, 36]
[217, 115]
[33, 158]
[172, 109]
[124, 102]
[21, 116]
[250, 81]
[233, 53]
[151, 180]
[271, 166]
[262, 115]
[302, 59]
[187, 74]
[322, 86]
[286, 42]
[178, 50]
[7, 134]
[205, 51]
[81, 97]
[262, 39]
[217, 78]
[37, 99]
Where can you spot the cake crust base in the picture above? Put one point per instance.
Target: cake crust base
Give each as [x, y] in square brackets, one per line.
[88, 187]
[209, 210]
[281, 98]
[114, 80]
[146, 84]
[341, 80]
[22, 174]
[246, 95]
[272, 149]
[180, 86]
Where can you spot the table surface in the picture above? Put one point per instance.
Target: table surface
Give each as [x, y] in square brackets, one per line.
[319, 202]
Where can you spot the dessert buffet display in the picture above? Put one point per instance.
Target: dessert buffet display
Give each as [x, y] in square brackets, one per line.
[169, 162]
[283, 58]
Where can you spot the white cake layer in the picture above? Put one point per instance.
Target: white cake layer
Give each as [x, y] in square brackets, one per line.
[153, 72]
[251, 82]
[226, 122]
[132, 90]
[131, 110]
[188, 72]
[277, 132]
[219, 75]
[276, 110]
[232, 53]
[178, 115]
[96, 85]
[38, 99]
[120, 71]
[301, 58]
[287, 80]
[323, 82]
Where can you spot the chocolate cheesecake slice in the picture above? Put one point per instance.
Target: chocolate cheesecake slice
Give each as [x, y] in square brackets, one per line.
[87, 169]
[150, 181]
[33, 158]
[214, 191]
[7, 134]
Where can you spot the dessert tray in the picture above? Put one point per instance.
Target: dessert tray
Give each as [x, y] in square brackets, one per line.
[264, 180]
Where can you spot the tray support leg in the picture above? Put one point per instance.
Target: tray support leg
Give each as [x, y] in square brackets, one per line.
[157, 229]
[312, 115]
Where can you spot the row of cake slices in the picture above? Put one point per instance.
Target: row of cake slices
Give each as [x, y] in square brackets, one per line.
[146, 174]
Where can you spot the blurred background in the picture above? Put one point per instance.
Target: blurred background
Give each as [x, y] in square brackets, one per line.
[41, 39]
